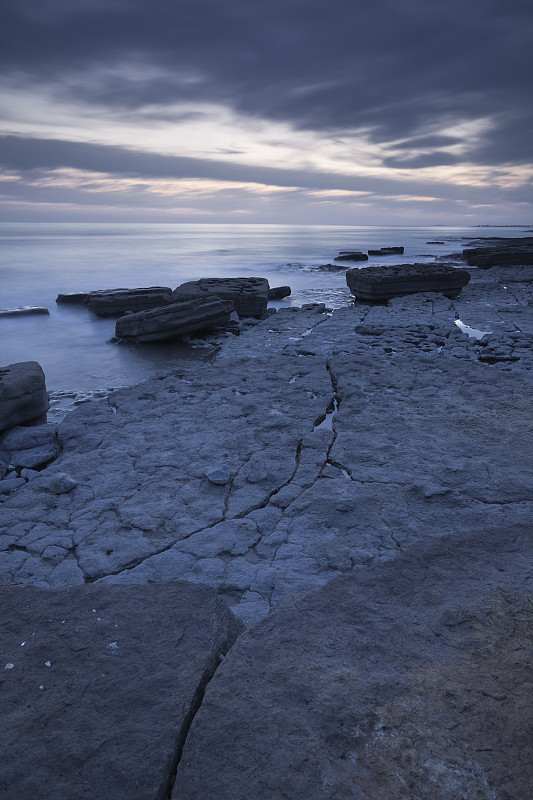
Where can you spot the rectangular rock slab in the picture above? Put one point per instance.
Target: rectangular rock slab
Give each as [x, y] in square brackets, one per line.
[99, 685]
[119, 301]
[250, 295]
[23, 395]
[377, 284]
[175, 320]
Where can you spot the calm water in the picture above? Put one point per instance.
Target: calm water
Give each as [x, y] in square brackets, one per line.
[37, 261]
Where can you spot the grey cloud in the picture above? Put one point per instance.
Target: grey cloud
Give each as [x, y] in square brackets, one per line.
[396, 69]
[32, 157]
[437, 159]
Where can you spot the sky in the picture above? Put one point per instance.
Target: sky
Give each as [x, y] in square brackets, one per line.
[348, 112]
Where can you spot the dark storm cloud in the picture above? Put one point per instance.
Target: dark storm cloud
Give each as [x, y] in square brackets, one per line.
[398, 69]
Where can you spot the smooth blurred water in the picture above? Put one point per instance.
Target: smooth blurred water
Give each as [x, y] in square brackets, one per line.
[40, 260]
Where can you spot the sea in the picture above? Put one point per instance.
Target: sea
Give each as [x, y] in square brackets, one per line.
[40, 260]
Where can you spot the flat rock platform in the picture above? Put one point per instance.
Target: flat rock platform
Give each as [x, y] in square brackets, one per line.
[375, 452]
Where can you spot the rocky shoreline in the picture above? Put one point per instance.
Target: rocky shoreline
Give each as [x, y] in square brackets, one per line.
[370, 523]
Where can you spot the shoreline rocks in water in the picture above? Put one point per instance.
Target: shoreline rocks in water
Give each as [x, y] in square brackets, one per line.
[174, 320]
[377, 284]
[387, 251]
[351, 256]
[249, 295]
[119, 301]
[372, 526]
[23, 311]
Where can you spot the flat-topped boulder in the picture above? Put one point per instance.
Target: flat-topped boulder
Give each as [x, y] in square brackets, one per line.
[100, 683]
[249, 295]
[29, 447]
[377, 284]
[23, 311]
[351, 256]
[78, 298]
[175, 320]
[119, 301]
[23, 395]
[387, 251]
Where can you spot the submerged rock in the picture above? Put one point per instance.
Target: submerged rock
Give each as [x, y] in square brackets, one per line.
[23, 395]
[174, 320]
[249, 295]
[377, 284]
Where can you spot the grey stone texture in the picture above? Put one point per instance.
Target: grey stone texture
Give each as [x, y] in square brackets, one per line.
[174, 320]
[347, 436]
[498, 252]
[103, 685]
[376, 284]
[29, 447]
[409, 680]
[23, 395]
[120, 301]
[249, 295]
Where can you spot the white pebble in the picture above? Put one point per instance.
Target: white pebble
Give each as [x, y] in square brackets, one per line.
[9, 666]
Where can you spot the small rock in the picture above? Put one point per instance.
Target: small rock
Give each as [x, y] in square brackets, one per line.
[279, 292]
[28, 474]
[22, 311]
[62, 483]
[218, 475]
[10, 484]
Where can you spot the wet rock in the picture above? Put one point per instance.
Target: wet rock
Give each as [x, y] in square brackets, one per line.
[387, 251]
[328, 268]
[61, 483]
[377, 284]
[279, 292]
[30, 447]
[101, 695]
[249, 295]
[174, 320]
[436, 242]
[23, 395]
[120, 301]
[352, 256]
[409, 679]
[23, 311]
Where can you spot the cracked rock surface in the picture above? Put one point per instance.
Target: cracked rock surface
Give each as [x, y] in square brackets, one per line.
[408, 680]
[101, 684]
[345, 438]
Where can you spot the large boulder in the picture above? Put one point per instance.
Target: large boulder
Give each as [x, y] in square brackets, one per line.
[174, 320]
[279, 292]
[408, 680]
[100, 683]
[249, 295]
[119, 301]
[23, 395]
[377, 284]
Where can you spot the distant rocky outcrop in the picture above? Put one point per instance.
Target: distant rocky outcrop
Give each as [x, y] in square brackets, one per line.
[387, 251]
[174, 320]
[23, 311]
[249, 295]
[377, 284]
[351, 256]
[23, 395]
